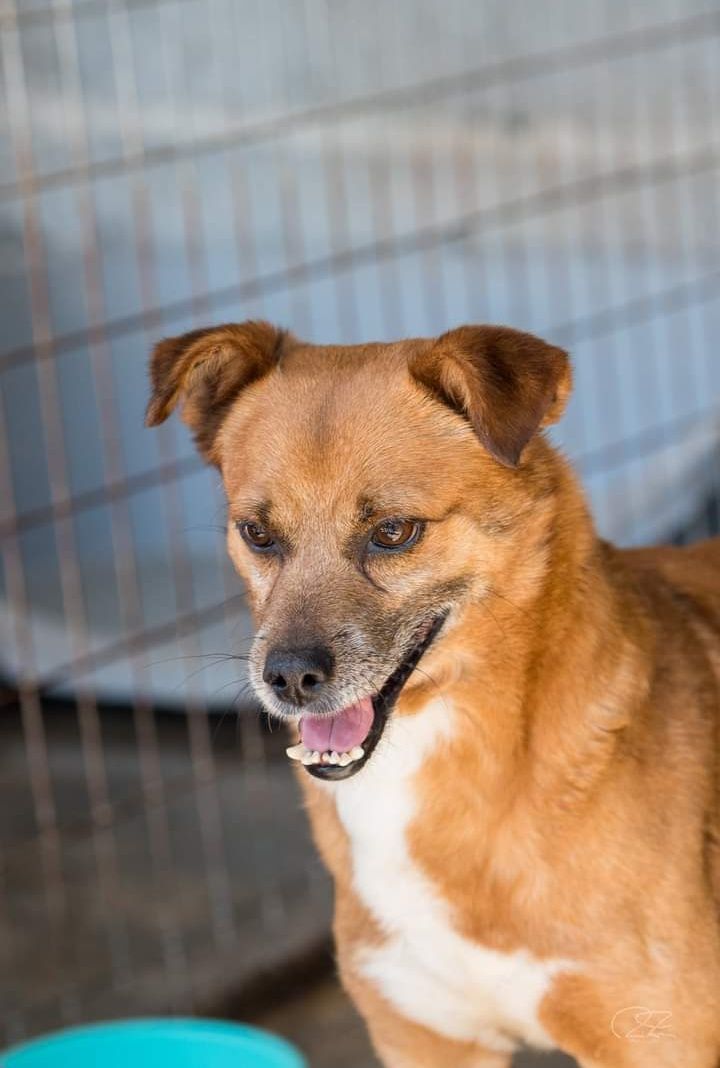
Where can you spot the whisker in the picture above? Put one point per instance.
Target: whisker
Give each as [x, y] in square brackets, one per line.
[206, 667]
[495, 620]
[198, 656]
[233, 682]
[227, 712]
[518, 608]
[434, 683]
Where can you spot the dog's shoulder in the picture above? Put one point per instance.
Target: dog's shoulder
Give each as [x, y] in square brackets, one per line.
[692, 569]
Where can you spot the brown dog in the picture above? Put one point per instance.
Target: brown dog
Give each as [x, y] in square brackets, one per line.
[524, 828]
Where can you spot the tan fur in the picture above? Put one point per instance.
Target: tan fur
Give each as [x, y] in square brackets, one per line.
[577, 813]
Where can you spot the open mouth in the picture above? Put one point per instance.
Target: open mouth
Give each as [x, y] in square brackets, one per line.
[336, 746]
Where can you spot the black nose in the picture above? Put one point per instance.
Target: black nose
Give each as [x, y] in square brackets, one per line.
[298, 675]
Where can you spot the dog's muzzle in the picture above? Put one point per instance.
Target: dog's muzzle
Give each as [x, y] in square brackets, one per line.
[338, 744]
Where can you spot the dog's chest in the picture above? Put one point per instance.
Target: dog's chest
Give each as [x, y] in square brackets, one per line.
[424, 967]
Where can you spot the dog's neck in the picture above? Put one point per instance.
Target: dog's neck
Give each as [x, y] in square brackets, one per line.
[550, 668]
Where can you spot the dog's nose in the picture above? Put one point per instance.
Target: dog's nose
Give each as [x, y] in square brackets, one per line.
[298, 675]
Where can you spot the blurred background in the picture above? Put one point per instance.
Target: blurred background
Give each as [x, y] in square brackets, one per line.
[352, 172]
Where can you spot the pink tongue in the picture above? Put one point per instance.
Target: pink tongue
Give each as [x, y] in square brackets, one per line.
[339, 732]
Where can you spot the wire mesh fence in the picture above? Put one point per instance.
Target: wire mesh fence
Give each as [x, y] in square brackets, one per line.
[351, 172]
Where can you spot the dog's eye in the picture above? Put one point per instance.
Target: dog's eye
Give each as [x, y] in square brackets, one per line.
[395, 534]
[256, 536]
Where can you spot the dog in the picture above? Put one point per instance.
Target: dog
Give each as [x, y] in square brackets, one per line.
[508, 729]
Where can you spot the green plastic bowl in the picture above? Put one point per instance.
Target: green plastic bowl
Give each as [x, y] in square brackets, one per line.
[153, 1043]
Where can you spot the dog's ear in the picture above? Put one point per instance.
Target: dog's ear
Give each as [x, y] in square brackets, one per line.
[206, 369]
[506, 383]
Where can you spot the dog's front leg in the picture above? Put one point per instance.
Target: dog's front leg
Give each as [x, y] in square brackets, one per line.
[635, 1023]
[401, 1043]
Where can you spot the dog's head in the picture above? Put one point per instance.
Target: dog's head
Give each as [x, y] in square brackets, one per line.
[376, 494]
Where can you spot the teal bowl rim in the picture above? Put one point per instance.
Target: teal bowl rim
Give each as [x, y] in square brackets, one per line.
[213, 1030]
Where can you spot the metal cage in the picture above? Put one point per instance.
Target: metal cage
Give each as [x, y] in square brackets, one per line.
[353, 172]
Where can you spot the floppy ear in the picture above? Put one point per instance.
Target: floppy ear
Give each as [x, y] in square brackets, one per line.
[506, 383]
[206, 369]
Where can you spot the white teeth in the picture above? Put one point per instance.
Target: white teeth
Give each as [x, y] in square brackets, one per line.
[307, 756]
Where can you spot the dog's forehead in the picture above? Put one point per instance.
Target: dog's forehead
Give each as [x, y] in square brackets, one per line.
[338, 427]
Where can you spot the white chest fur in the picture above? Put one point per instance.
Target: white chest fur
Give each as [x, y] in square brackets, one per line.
[429, 972]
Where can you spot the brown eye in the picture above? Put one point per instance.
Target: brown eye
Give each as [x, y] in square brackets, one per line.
[256, 536]
[395, 534]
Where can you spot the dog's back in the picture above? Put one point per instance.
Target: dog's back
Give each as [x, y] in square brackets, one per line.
[689, 576]
[683, 590]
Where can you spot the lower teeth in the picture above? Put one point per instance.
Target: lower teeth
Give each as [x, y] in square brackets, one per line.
[309, 756]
